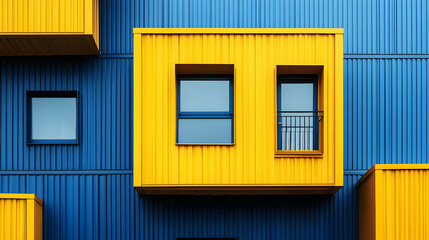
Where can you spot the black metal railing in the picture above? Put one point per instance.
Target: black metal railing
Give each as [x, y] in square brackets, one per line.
[298, 130]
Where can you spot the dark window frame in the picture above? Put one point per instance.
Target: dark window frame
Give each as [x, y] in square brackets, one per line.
[298, 78]
[51, 94]
[205, 238]
[205, 115]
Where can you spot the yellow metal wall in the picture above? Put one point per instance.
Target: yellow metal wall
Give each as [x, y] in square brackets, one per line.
[46, 27]
[42, 15]
[95, 17]
[367, 208]
[158, 161]
[21, 217]
[401, 202]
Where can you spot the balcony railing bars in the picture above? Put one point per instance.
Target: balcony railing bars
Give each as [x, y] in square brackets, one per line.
[298, 130]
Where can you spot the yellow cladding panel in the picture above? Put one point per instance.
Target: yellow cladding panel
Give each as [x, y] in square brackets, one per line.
[395, 202]
[251, 162]
[21, 217]
[49, 27]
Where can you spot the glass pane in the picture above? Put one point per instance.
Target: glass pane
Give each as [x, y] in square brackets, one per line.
[205, 131]
[297, 128]
[53, 118]
[297, 97]
[204, 96]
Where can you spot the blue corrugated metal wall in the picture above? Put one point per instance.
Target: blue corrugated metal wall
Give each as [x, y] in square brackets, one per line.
[87, 189]
[370, 26]
[105, 100]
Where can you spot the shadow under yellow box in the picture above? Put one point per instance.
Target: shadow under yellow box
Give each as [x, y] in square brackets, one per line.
[252, 163]
[55, 27]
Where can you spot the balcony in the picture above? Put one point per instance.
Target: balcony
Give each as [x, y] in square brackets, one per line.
[299, 130]
[32, 27]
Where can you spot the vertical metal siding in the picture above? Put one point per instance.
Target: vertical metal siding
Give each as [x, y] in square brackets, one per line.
[105, 105]
[61, 17]
[31, 16]
[399, 197]
[13, 219]
[49, 27]
[105, 206]
[370, 26]
[21, 217]
[116, 211]
[406, 193]
[386, 112]
[251, 160]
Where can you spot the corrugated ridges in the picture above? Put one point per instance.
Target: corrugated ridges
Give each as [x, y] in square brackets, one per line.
[405, 211]
[370, 26]
[366, 32]
[105, 108]
[13, 218]
[57, 16]
[107, 207]
[394, 202]
[386, 112]
[251, 160]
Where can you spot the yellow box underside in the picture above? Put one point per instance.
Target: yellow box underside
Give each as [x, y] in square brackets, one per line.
[158, 161]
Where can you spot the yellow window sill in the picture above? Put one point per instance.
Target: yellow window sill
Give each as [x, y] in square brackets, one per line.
[286, 154]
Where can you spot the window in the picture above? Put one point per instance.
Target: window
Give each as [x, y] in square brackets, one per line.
[205, 109]
[297, 113]
[52, 117]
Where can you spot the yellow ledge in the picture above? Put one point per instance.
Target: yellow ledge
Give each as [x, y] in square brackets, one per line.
[21, 196]
[238, 31]
[302, 154]
[42, 33]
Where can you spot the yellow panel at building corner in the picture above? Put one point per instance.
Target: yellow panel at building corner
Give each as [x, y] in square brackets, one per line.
[250, 165]
[55, 27]
[21, 217]
[394, 202]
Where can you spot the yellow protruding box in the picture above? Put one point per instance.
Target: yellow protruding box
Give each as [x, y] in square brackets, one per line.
[54, 27]
[21, 217]
[251, 165]
[394, 202]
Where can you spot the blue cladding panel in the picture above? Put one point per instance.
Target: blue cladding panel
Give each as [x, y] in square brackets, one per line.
[370, 26]
[87, 189]
[105, 206]
[105, 117]
[386, 112]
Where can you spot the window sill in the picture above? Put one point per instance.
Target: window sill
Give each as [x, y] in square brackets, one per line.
[287, 154]
[205, 144]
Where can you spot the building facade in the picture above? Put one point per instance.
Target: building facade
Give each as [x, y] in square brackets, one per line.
[89, 187]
